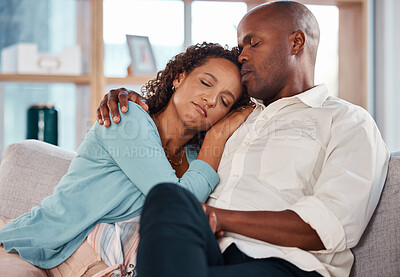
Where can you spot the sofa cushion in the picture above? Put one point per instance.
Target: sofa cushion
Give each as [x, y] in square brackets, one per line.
[29, 171]
[378, 252]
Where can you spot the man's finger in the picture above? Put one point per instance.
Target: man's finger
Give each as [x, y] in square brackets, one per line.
[213, 221]
[204, 207]
[112, 104]
[136, 98]
[123, 101]
[219, 234]
[143, 104]
[99, 118]
[105, 115]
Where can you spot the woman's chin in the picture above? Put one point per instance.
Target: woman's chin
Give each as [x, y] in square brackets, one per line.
[196, 126]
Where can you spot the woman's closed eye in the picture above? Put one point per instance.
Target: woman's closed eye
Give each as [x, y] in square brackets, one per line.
[224, 102]
[205, 83]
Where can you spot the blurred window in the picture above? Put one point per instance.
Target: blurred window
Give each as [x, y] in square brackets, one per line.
[214, 21]
[161, 21]
[327, 66]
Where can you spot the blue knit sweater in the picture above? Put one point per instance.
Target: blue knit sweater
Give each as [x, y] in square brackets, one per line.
[107, 181]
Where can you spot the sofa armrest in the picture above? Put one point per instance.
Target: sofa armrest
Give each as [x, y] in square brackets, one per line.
[29, 171]
[377, 253]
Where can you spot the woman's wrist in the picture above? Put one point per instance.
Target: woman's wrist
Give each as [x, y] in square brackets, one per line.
[217, 134]
[211, 150]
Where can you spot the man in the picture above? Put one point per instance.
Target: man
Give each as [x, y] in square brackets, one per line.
[300, 178]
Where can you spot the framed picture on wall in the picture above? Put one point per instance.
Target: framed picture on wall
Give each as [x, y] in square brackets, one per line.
[143, 62]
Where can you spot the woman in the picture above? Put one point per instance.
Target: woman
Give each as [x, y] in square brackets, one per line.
[115, 168]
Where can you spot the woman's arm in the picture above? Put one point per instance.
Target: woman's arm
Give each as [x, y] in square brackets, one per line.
[215, 139]
[135, 148]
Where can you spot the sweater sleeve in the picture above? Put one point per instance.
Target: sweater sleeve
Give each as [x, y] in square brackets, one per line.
[136, 148]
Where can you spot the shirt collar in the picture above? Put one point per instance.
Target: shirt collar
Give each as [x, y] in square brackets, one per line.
[313, 97]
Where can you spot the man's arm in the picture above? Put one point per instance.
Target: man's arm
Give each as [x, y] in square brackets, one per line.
[284, 228]
[109, 104]
[345, 195]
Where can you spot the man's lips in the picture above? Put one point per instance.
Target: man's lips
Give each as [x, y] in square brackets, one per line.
[201, 110]
[246, 71]
[245, 74]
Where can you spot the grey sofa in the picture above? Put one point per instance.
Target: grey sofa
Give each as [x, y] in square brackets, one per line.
[30, 170]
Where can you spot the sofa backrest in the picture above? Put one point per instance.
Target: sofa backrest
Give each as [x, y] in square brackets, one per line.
[29, 171]
[378, 252]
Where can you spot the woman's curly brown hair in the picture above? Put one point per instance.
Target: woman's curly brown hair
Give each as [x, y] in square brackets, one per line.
[158, 91]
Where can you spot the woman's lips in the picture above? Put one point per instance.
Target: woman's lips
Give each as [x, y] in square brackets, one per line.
[201, 110]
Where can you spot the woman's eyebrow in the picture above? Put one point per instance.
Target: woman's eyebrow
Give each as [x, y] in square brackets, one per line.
[212, 76]
[231, 95]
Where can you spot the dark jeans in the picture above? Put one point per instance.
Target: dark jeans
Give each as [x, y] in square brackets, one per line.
[176, 240]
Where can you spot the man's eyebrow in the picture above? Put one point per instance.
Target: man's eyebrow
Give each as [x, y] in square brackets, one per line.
[246, 39]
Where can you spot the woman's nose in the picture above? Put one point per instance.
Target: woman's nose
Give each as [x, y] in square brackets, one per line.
[211, 99]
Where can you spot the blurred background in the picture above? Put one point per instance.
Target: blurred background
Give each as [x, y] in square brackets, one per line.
[59, 57]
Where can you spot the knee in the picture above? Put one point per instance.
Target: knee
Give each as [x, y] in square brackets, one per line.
[169, 197]
[169, 205]
[168, 192]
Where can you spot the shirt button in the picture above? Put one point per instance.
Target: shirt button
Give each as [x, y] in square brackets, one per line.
[265, 117]
[235, 176]
[131, 265]
[247, 143]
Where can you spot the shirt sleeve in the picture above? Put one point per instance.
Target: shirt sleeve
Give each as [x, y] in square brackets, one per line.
[351, 181]
[136, 149]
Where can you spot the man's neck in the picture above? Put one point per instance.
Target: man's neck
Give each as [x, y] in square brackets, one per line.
[294, 87]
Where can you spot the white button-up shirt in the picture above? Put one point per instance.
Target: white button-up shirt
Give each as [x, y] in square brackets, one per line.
[316, 155]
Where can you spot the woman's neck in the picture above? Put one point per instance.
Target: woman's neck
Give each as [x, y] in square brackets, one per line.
[174, 135]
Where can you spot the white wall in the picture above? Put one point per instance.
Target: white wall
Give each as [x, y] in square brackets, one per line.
[387, 72]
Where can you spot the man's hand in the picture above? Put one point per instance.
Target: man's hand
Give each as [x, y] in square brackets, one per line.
[283, 228]
[213, 220]
[109, 104]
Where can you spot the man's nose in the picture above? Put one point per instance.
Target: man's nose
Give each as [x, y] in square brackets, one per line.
[244, 56]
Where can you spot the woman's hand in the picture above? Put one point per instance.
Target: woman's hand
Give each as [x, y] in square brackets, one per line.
[224, 128]
[215, 139]
[109, 104]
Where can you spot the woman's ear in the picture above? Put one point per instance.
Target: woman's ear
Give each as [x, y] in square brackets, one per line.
[178, 81]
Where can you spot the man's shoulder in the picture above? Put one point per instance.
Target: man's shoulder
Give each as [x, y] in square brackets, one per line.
[344, 112]
[343, 107]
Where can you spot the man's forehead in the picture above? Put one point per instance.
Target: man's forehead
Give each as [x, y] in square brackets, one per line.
[248, 29]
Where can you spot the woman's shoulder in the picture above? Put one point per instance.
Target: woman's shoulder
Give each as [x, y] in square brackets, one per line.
[135, 123]
[134, 110]
[135, 115]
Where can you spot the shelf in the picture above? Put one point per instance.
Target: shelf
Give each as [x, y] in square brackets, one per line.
[130, 80]
[29, 78]
[76, 79]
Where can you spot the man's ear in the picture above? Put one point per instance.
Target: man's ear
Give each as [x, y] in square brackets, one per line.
[297, 40]
[178, 81]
